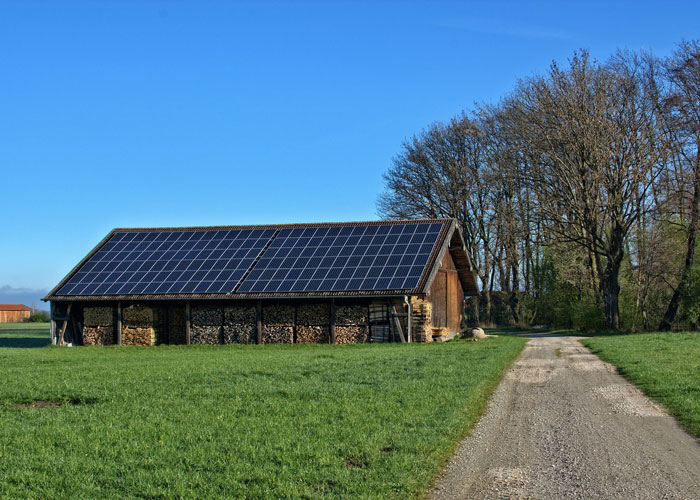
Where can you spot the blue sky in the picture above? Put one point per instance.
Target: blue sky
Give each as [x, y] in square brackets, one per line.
[146, 113]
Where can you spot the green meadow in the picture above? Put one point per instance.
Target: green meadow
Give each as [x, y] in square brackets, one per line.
[304, 421]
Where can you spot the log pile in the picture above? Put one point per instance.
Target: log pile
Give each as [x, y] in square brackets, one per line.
[313, 334]
[135, 335]
[98, 316]
[421, 321]
[354, 334]
[313, 323]
[313, 314]
[138, 325]
[207, 323]
[98, 326]
[138, 315]
[351, 324]
[240, 325]
[278, 320]
[176, 325]
[440, 334]
[348, 315]
[98, 335]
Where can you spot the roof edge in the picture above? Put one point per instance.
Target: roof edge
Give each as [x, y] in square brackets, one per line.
[278, 226]
[77, 266]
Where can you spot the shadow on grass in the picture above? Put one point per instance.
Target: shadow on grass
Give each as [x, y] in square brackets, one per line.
[24, 335]
[24, 342]
[549, 333]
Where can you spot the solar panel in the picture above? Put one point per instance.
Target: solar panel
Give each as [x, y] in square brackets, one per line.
[336, 258]
[328, 259]
[169, 262]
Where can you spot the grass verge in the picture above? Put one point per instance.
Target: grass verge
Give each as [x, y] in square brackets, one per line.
[666, 366]
[314, 421]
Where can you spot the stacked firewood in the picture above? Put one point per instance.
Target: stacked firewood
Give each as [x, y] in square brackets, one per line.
[439, 334]
[137, 315]
[98, 335]
[98, 326]
[313, 323]
[240, 324]
[206, 327]
[138, 335]
[351, 314]
[351, 324]
[421, 321]
[176, 325]
[138, 325]
[278, 322]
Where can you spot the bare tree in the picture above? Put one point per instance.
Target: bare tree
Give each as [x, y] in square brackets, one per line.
[680, 112]
[593, 128]
[443, 172]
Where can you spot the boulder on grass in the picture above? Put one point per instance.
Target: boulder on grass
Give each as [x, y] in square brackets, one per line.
[475, 333]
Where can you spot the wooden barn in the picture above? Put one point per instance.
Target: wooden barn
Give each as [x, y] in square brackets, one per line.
[14, 313]
[339, 283]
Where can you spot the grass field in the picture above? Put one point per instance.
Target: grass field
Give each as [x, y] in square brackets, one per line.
[363, 421]
[666, 366]
[24, 334]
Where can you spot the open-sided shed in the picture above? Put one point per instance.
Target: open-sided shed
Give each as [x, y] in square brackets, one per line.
[378, 281]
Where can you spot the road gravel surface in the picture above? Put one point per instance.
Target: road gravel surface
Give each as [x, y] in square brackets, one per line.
[564, 424]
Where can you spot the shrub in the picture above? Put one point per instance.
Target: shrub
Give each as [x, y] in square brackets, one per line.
[38, 317]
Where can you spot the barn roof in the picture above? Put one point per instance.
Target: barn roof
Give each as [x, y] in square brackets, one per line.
[14, 307]
[376, 258]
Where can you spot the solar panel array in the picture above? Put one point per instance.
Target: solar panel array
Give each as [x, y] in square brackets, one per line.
[258, 261]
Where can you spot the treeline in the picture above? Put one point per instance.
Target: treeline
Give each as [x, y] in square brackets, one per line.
[578, 193]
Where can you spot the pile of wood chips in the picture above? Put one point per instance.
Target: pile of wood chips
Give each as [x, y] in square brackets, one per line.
[278, 324]
[207, 324]
[240, 325]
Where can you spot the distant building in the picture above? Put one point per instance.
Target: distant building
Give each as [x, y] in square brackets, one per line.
[14, 313]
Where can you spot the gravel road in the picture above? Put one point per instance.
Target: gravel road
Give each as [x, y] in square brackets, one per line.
[564, 424]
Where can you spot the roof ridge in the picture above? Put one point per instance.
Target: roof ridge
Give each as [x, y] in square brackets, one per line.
[282, 226]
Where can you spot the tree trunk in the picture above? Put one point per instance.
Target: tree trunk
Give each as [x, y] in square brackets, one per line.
[476, 316]
[683, 283]
[611, 293]
[514, 297]
[487, 306]
[610, 281]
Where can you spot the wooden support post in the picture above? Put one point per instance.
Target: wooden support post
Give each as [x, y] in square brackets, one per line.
[409, 319]
[77, 331]
[396, 324]
[119, 323]
[53, 323]
[332, 326]
[187, 322]
[258, 322]
[62, 331]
